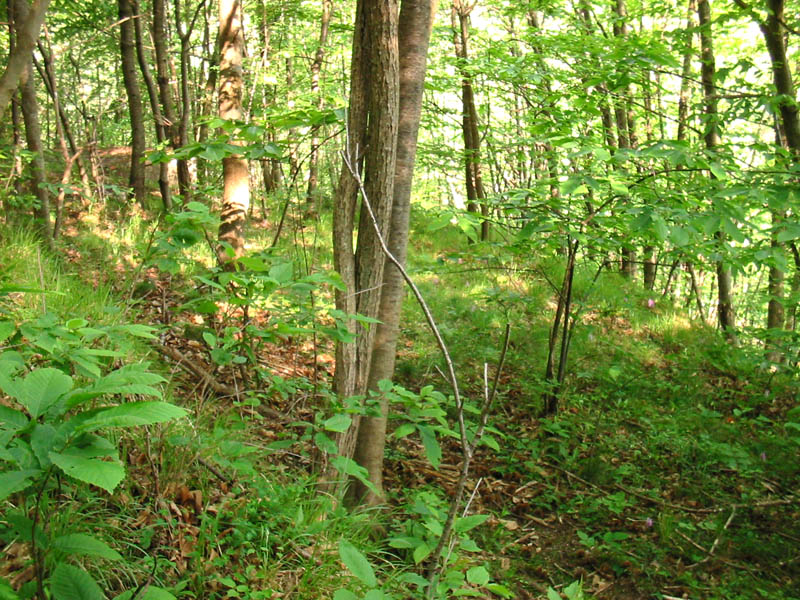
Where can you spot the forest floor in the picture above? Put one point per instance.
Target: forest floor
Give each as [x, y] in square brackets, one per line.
[670, 471]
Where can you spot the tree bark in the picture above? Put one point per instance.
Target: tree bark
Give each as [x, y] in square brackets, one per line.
[725, 313]
[152, 94]
[371, 141]
[316, 69]
[26, 34]
[33, 134]
[476, 195]
[182, 133]
[136, 189]
[414, 29]
[236, 184]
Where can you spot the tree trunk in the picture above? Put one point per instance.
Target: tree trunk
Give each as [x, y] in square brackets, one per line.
[472, 159]
[236, 185]
[316, 69]
[686, 70]
[33, 134]
[127, 47]
[372, 125]
[152, 93]
[28, 21]
[414, 29]
[711, 135]
[182, 133]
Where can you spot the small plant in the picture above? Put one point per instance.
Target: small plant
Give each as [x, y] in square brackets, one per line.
[54, 440]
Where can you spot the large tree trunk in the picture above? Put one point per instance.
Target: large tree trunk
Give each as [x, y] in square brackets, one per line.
[127, 47]
[236, 190]
[152, 93]
[33, 134]
[414, 28]
[371, 141]
[711, 126]
[476, 195]
[26, 34]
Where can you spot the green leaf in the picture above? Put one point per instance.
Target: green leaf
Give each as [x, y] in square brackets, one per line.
[552, 594]
[282, 273]
[43, 439]
[502, 590]
[41, 389]
[421, 552]
[374, 595]
[679, 236]
[404, 430]
[357, 563]
[106, 475]
[729, 227]
[338, 423]
[432, 449]
[7, 329]
[72, 583]
[464, 524]
[790, 231]
[325, 443]
[347, 466]
[344, 595]
[134, 414]
[718, 171]
[478, 575]
[15, 481]
[85, 545]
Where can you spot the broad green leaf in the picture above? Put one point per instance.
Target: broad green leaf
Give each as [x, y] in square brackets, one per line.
[282, 273]
[374, 595]
[464, 524]
[421, 552]
[432, 449]
[344, 595]
[6, 591]
[325, 443]
[502, 590]
[729, 227]
[15, 481]
[718, 171]
[7, 329]
[790, 231]
[11, 419]
[478, 575]
[347, 466]
[85, 545]
[72, 583]
[103, 474]
[43, 439]
[133, 414]
[679, 236]
[552, 594]
[41, 389]
[357, 563]
[338, 423]
[404, 430]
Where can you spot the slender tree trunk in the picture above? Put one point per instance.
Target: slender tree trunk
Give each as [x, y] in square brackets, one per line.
[686, 70]
[708, 69]
[414, 28]
[182, 133]
[49, 77]
[28, 21]
[236, 190]
[476, 195]
[371, 141]
[127, 47]
[316, 69]
[152, 94]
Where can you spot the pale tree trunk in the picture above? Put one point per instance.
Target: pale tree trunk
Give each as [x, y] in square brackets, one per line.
[208, 98]
[26, 34]
[476, 195]
[33, 134]
[236, 184]
[152, 93]
[127, 47]
[371, 141]
[316, 69]
[414, 28]
[725, 313]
